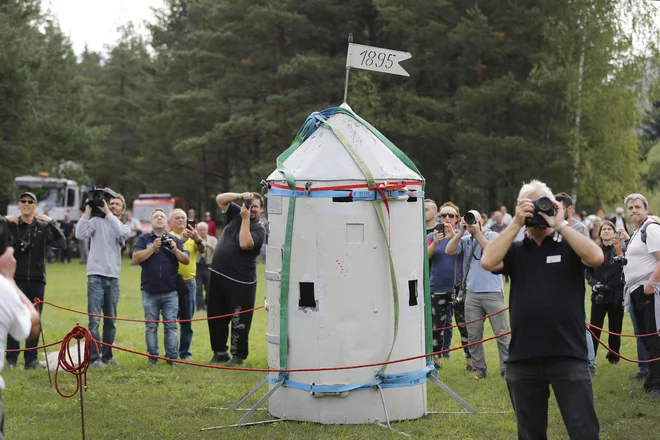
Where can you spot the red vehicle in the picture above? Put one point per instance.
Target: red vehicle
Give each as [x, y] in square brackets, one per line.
[144, 205]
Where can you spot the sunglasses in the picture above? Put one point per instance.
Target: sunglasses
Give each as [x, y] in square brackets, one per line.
[448, 215]
[30, 202]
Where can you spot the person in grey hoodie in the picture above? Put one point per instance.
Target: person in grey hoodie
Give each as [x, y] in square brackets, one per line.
[108, 235]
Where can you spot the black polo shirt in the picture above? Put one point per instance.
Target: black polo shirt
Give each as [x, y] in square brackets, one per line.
[546, 300]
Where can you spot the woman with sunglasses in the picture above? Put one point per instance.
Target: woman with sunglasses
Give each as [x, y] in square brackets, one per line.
[446, 272]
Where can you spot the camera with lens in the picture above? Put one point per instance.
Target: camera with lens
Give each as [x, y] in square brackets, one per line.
[620, 259]
[247, 203]
[95, 199]
[470, 218]
[601, 293]
[166, 241]
[544, 205]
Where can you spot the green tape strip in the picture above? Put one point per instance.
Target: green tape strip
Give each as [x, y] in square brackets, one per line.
[428, 325]
[377, 206]
[284, 286]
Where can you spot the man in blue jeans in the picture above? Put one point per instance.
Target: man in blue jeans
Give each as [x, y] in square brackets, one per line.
[192, 243]
[159, 254]
[108, 236]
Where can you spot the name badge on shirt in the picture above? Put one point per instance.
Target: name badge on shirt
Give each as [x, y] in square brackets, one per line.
[553, 259]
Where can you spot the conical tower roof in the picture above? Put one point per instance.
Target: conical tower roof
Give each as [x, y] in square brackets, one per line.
[322, 156]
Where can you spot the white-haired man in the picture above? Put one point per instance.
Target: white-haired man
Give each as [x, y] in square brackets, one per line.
[548, 346]
[641, 297]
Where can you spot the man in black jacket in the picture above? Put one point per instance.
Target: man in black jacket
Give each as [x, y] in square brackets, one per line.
[31, 235]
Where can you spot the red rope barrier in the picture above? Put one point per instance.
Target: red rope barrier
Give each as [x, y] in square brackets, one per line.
[301, 370]
[208, 318]
[34, 348]
[622, 334]
[65, 361]
[620, 355]
[470, 322]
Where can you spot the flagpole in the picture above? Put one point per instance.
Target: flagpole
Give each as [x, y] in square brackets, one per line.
[348, 68]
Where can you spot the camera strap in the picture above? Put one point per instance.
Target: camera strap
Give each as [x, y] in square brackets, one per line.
[475, 243]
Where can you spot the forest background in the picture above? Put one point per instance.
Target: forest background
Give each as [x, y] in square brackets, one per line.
[500, 92]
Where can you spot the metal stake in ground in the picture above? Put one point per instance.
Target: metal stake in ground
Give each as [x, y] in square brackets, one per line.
[80, 386]
[43, 342]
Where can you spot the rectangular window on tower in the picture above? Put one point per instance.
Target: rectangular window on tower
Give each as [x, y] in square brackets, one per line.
[412, 293]
[307, 299]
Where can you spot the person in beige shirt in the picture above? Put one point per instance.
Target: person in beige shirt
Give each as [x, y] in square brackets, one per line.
[203, 262]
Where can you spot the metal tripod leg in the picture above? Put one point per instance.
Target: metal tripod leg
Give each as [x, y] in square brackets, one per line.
[244, 424]
[453, 395]
[387, 416]
[260, 402]
[249, 393]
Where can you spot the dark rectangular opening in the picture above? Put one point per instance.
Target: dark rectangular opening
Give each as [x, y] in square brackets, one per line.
[412, 292]
[411, 199]
[307, 295]
[347, 199]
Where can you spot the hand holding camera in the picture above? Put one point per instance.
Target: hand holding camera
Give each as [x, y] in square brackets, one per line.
[167, 242]
[157, 243]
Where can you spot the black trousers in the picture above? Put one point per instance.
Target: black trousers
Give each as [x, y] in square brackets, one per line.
[203, 278]
[529, 384]
[643, 306]
[226, 296]
[614, 312]
[31, 289]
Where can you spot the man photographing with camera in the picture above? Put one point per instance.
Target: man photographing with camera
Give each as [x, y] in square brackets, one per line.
[183, 228]
[483, 291]
[108, 236]
[31, 236]
[547, 294]
[159, 254]
[233, 284]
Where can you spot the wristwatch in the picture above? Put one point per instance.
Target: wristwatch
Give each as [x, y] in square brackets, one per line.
[561, 226]
[653, 284]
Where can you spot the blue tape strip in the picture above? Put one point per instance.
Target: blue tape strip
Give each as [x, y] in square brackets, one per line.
[357, 195]
[397, 380]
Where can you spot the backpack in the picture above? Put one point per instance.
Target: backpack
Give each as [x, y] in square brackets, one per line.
[643, 231]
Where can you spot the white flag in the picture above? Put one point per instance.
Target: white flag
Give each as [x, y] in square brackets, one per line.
[376, 59]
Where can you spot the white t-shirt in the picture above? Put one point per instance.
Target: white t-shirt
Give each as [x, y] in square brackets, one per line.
[14, 318]
[641, 261]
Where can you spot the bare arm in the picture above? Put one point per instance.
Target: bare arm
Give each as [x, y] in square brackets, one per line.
[452, 246]
[655, 276]
[183, 257]
[244, 236]
[493, 255]
[587, 249]
[144, 254]
[223, 200]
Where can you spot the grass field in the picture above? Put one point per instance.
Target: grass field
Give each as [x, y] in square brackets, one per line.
[134, 401]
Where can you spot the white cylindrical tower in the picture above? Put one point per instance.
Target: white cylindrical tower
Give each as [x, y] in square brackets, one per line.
[345, 275]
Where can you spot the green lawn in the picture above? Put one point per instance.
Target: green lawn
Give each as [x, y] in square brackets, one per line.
[136, 402]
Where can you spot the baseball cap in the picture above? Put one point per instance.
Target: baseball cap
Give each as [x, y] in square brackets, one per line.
[27, 193]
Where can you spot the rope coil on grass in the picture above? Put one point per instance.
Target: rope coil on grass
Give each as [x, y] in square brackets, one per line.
[66, 362]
